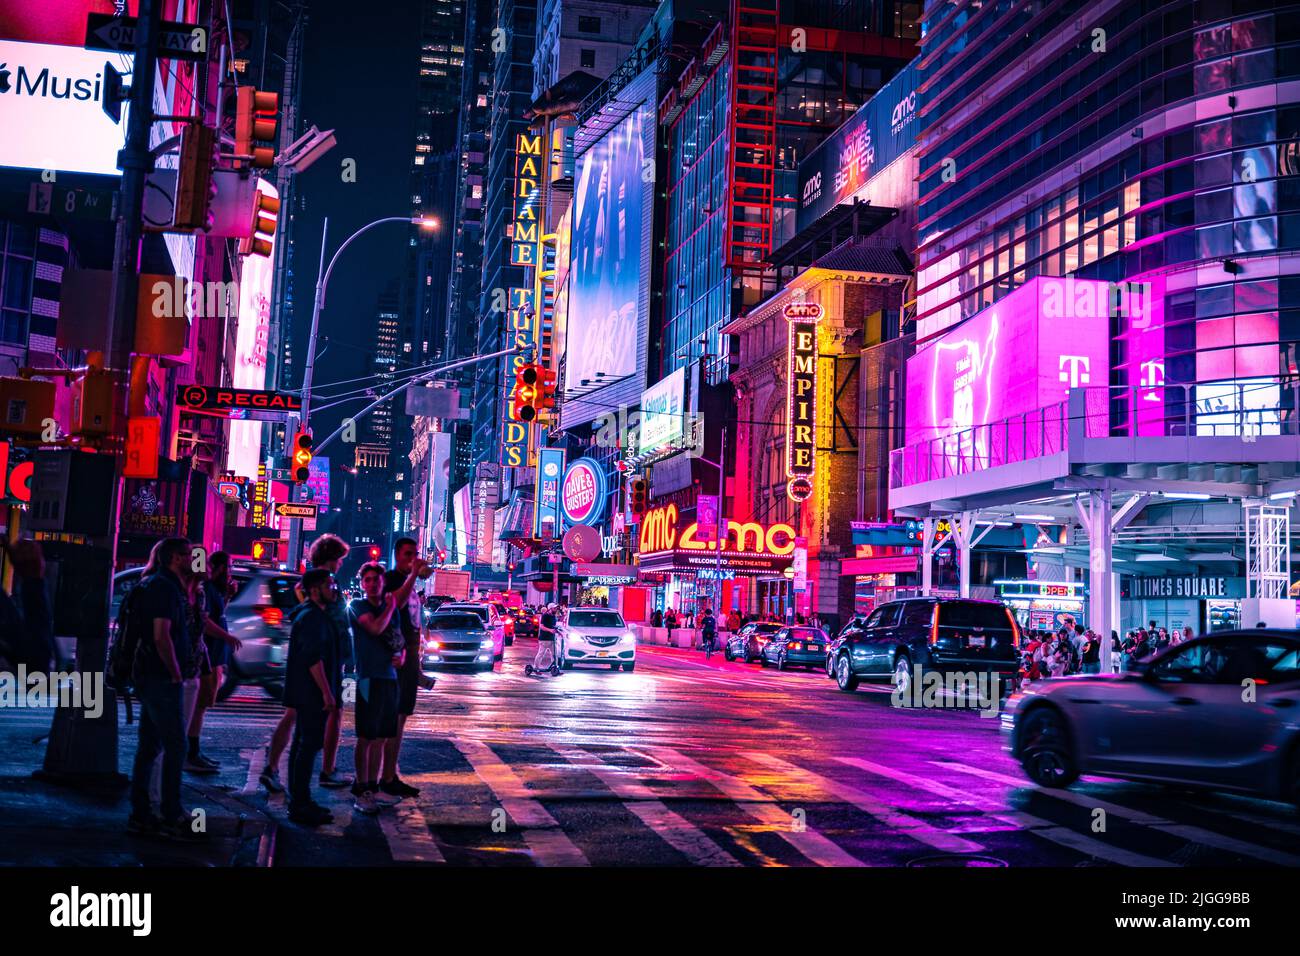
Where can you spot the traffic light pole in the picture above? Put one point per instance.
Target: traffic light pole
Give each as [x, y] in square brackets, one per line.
[80, 747]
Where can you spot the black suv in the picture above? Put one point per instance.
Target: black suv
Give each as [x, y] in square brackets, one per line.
[935, 634]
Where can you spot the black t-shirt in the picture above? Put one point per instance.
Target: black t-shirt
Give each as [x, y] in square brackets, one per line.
[709, 625]
[546, 631]
[161, 596]
[310, 641]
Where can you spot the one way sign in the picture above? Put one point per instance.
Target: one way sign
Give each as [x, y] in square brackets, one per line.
[176, 41]
[295, 509]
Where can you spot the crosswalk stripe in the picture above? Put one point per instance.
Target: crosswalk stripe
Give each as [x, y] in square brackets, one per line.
[807, 841]
[550, 845]
[1043, 828]
[904, 823]
[407, 834]
[1192, 834]
[676, 830]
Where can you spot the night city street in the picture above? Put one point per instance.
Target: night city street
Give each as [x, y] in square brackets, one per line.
[706, 763]
[813, 463]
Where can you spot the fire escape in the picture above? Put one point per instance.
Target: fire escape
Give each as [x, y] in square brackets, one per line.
[751, 173]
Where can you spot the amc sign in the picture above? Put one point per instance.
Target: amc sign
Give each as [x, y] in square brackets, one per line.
[15, 478]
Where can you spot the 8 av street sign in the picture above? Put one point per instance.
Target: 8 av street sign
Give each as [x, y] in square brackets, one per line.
[176, 41]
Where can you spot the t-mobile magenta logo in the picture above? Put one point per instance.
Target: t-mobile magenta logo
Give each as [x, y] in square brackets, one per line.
[1075, 370]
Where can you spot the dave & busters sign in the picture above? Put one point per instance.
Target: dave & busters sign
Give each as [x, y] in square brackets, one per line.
[582, 492]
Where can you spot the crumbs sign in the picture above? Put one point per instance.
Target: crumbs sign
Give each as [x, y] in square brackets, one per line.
[52, 108]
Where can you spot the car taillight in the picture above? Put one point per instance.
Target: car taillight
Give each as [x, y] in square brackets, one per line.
[271, 616]
[934, 626]
[1015, 628]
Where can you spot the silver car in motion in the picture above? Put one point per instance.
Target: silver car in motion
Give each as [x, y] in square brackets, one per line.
[1221, 712]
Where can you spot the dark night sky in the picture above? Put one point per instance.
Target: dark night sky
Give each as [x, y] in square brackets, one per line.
[360, 71]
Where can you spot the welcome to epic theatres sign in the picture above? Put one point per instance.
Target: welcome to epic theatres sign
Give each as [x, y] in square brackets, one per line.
[1021, 354]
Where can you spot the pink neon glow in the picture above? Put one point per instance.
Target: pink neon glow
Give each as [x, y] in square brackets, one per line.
[1021, 354]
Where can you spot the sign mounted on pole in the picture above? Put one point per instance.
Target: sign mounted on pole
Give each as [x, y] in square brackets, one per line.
[801, 399]
[175, 41]
[203, 398]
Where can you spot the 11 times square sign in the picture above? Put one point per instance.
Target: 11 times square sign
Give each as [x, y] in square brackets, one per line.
[801, 399]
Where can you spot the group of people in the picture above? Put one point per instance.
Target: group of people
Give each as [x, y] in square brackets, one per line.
[1074, 649]
[175, 620]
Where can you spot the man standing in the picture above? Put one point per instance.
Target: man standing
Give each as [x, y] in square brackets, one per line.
[400, 583]
[163, 655]
[312, 676]
[378, 651]
[220, 644]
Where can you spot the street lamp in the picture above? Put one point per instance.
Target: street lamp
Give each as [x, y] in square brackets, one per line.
[427, 223]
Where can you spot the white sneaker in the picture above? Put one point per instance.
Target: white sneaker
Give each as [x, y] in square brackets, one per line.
[364, 802]
[385, 799]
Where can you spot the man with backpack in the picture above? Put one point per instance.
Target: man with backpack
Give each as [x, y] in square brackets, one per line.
[158, 623]
[708, 632]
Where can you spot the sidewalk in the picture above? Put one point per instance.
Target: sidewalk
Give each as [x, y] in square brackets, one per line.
[43, 823]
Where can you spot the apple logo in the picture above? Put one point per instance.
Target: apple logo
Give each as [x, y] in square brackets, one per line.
[4, 78]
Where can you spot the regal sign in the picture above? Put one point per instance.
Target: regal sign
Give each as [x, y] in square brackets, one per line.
[801, 399]
[203, 398]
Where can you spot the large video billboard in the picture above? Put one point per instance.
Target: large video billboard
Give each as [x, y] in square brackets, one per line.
[1021, 354]
[876, 135]
[606, 301]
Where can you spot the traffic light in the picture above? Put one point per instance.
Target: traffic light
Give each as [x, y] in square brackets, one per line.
[523, 406]
[374, 552]
[301, 456]
[255, 121]
[264, 549]
[545, 390]
[266, 212]
[638, 494]
[196, 187]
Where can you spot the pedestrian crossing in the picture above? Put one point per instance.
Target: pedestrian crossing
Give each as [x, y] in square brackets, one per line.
[574, 803]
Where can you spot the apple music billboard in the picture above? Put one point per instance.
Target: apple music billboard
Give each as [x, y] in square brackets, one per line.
[1021, 354]
[51, 108]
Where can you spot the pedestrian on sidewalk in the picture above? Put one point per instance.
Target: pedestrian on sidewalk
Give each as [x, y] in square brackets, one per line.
[1090, 659]
[379, 649]
[214, 591]
[670, 622]
[312, 681]
[162, 658]
[26, 618]
[400, 582]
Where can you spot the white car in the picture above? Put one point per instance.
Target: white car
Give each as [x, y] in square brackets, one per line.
[595, 635]
[1221, 712]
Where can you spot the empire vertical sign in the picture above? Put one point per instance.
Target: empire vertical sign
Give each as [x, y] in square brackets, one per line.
[801, 399]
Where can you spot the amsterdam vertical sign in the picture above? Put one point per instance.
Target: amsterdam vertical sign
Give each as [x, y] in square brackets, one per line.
[801, 399]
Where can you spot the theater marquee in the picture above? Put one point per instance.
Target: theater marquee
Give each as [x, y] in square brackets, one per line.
[667, 544]
[801, 400]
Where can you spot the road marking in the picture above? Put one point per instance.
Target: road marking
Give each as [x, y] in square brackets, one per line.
[1043, 828]
[809, 842]
[677, 831]
[1192, 834]
[917, 829]
[541, 831]
[407, 833]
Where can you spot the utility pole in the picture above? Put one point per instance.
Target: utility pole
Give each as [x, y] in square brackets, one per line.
[722, 537]
[80, 747]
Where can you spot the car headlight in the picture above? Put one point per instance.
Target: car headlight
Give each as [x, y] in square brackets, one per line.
[433, 645]
[485, 643]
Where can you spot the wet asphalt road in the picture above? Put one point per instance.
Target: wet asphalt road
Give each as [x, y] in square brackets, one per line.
[724, 764]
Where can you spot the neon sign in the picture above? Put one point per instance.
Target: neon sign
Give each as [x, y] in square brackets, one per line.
[801, 399]
[582, 492]
[660, 532]
[528, 177]
[516, 437]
